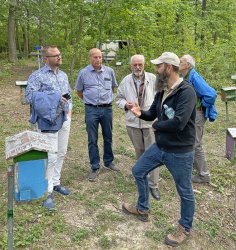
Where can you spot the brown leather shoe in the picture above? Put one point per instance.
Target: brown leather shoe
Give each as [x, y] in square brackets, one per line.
[178, 237]
[131, 209]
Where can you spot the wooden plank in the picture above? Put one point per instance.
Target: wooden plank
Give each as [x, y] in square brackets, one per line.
[21, 83]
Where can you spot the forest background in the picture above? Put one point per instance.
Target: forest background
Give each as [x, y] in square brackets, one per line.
[205, 29]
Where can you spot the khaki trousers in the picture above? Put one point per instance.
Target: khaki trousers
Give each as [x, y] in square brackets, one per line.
[200, 163]
[142, 139]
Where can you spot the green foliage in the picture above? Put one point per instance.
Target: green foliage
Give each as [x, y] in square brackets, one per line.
[59, 224]
[156, 235]
[124, 151]
[105, 242]
[80, 235]
[150, 27]
[3, 241]
[223, 177]
[210, 227]
[24, 237]
[109, 216]
[78, 105]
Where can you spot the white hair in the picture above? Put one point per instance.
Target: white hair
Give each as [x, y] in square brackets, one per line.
[189, 59]
[141, 57]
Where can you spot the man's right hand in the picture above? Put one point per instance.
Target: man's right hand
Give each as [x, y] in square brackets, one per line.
[136, 110]
[129, 105]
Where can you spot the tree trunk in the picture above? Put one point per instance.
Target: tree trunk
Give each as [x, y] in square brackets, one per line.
[203, 17]
[77, 43]
[18, 43]
[28, 33]
[12, 55]
[26, 41]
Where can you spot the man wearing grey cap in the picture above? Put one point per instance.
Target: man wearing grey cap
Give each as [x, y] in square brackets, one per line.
[174, 108]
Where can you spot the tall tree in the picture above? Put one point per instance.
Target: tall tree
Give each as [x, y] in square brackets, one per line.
[12, 54]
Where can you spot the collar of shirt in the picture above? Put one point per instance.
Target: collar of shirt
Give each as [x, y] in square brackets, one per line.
[91, 68]
[174, 86]
[167, 91]
[47, 68]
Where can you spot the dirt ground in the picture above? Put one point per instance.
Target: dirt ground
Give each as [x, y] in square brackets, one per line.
[96, 207]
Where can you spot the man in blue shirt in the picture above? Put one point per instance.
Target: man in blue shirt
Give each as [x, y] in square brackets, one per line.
[205, 108]
[50, 80]
[95, 85]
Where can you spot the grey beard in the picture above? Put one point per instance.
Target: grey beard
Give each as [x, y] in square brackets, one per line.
[161, 83]
[138, 74]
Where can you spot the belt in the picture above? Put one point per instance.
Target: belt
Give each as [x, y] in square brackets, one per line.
[99, 105]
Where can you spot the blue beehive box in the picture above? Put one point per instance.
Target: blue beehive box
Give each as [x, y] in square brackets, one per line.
[29, 152]
[30, 176]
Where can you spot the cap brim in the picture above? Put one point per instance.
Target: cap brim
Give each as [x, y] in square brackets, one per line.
[156, 61]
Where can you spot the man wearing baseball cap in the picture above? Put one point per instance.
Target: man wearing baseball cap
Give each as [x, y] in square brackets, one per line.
[173, 110]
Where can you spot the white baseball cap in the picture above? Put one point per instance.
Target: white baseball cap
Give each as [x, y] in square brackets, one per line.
[167, 57]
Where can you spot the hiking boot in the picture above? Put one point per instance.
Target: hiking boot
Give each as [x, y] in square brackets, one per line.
[61, 190]
[178, 237]
[201, 178]
[130, 209]
[48, 203]
[93, 174]
[112, 167]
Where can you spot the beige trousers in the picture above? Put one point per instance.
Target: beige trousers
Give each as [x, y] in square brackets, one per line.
[142, 139]
[200, 163]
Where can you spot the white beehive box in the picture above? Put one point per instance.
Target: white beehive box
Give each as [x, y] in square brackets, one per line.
[25, 141]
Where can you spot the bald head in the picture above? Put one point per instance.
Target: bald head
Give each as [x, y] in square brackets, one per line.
[95, 58]
[94, 51]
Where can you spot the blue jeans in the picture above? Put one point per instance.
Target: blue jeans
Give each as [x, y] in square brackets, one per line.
[180, 167]
[93, 117]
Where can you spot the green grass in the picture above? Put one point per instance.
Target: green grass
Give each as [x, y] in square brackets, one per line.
[79, 235]
[109, 216]
[105, 242]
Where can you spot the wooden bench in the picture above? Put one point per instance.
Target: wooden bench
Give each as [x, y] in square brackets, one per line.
[22, 85]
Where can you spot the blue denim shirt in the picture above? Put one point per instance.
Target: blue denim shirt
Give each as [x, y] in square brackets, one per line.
[45, 79]
[45, 110]
[96, 85]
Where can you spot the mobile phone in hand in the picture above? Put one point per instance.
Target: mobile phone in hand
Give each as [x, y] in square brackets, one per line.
[67, 96]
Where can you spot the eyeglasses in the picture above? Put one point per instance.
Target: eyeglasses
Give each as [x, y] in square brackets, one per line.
[58, 56]
[138, 65]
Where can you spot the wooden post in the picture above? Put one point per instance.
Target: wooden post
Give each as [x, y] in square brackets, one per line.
[10, 175]
[227, 112]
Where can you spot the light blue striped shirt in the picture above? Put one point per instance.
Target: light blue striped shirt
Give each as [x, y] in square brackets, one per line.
[45, 79]
[96, 85]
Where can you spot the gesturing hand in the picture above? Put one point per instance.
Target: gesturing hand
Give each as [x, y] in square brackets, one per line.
[129, 105]
[136, 110]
